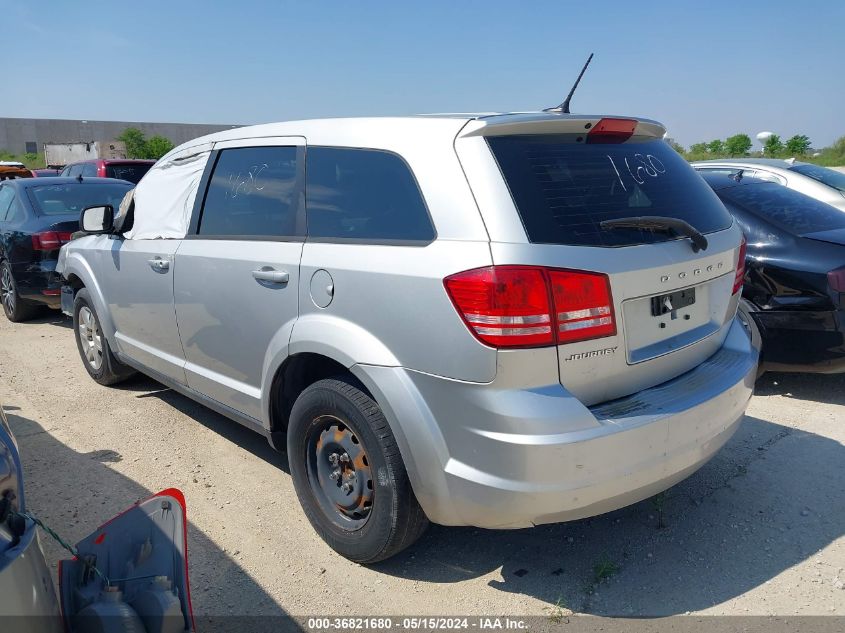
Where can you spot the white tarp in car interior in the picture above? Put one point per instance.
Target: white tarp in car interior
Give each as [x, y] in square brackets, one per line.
[164, 199]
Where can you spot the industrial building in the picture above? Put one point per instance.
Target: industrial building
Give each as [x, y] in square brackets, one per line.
[20, 136]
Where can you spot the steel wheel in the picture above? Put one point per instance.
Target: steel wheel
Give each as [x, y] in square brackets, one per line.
[339, 473]
[7, 290]
[91, 338]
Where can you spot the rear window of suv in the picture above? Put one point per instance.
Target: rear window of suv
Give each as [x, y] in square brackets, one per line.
[132, 172]
[564, 188]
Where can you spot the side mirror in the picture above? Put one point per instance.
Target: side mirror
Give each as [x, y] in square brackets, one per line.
[98, 219]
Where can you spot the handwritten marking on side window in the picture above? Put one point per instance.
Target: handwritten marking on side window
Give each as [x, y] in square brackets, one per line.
[240, 184]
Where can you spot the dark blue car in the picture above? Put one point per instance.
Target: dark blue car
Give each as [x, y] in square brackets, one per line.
[38, 216]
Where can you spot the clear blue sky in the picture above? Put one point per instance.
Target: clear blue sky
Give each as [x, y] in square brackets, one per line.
[705, 69]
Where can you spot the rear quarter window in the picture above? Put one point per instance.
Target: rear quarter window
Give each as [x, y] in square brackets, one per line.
[563, 188]
[363, 194]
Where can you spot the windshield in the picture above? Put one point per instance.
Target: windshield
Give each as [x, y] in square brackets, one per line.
[792, 211]
[133, 172]
[563, 189]
[71, 198]
[829, 177]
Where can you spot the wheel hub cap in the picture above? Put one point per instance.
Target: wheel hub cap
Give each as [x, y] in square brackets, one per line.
[7, 291]
[343, 474]
[90, 338]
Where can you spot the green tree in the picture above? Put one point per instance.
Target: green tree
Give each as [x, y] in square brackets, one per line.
[698, 148]
[136, 143]
[798, 145]
[677, 147]
[738, 144]
[773, 146]
[716, 147]
[157, 146]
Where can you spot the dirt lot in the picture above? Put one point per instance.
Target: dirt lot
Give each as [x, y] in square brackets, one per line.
[759, 530]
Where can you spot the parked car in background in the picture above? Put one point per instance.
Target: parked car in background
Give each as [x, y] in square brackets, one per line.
[46, 172]
[12, 169]
[37, 216]
[95, 593]
[794, 292]
[121, 169]
[497, 321]
[821, 183]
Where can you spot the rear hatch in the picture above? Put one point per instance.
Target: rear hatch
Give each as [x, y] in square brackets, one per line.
[632, 307]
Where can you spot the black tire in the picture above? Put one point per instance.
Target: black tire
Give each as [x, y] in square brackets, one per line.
[394, 519]
[743, 314]
[15, 308]
[102, 365]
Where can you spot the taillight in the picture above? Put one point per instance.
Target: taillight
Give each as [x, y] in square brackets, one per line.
[740, 266]
[50, 240]
[505, 306]
[836, 279]
[532, 306]
[583, 305]
[612, 131]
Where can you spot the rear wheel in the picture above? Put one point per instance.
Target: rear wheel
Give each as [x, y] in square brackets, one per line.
[348, 473]
[16, 309]
[93, 346]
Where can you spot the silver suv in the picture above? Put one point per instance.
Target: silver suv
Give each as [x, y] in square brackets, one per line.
[498, 321]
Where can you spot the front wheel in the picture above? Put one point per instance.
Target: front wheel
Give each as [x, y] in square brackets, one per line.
[348, 474]
[93, 346]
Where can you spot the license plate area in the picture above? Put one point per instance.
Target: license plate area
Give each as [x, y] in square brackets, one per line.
[653, 330]
[670, 302]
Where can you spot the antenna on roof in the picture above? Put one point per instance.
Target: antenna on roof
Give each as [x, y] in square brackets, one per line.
[564, 107]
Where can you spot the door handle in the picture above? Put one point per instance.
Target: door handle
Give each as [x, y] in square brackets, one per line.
[271, 275]
[158, 264]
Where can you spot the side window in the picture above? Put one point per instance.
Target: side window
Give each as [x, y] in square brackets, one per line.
[7, 195]
[73, 171]
[363, 194]
[89, 170]
[252, 192]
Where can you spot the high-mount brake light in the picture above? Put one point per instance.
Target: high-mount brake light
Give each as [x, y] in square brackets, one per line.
[532, 306]
[612, 131]
[740, 266]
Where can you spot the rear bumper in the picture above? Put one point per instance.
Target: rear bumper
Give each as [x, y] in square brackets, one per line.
[801, 340]
[516, 458]
[39, 282]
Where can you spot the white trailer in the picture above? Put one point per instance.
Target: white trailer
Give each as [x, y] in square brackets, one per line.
[61, 154]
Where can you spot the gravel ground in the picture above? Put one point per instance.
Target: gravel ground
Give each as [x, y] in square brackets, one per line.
[759, 530]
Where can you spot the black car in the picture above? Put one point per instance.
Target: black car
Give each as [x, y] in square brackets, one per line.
[38, 216]
[794, 294]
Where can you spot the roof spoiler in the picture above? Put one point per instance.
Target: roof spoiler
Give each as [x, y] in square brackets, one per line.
[552, 123]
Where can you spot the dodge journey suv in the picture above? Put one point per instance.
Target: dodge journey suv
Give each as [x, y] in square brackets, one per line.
[497, 321]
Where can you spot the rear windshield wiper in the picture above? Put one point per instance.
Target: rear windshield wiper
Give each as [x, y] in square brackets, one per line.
[662, 224]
